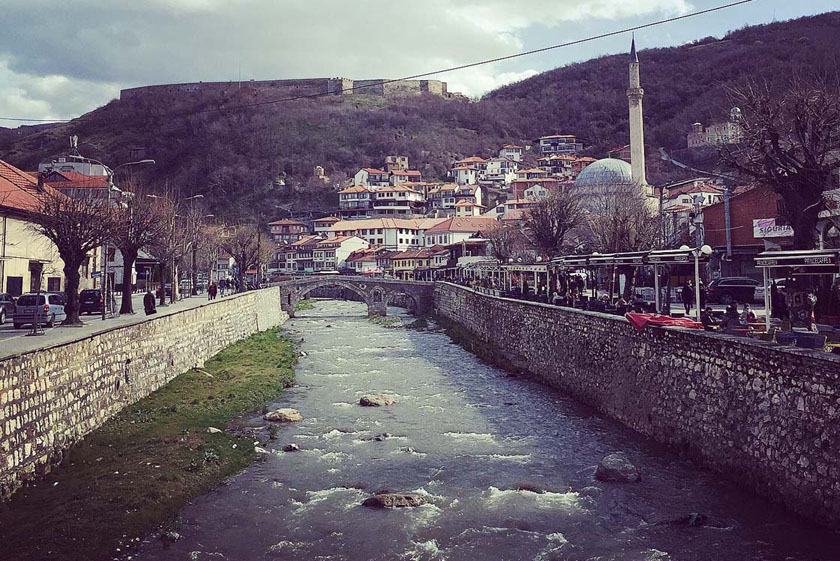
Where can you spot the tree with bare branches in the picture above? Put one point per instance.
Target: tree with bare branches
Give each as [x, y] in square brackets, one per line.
[790, 141]
[77, 226]
[140, 221]
[549, 222]
[504, 240]
[551, 219]
[621, 218]
[241, 241]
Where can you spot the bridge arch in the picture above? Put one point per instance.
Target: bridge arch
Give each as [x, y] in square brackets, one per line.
[391, 295]
[376, 293]
[300, 293]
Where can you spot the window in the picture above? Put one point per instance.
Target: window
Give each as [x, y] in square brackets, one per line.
[54, 284]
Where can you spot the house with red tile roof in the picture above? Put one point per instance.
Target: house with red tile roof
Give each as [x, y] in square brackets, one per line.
[372, 177]
[456, 229]
[330, 254]
[287, 231]
[22, 249]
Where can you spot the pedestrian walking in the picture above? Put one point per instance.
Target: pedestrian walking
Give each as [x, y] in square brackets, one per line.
[222, 286]
[687, 296]
[211, 291]
[149, 303]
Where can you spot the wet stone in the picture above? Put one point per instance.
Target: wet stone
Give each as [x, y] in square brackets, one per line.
[376, 400]
[283, 415]
[394, 500]
[616, 468]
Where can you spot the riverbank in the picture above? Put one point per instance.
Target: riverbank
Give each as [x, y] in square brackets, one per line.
[762, 416]
[142, 466]
[506, 467]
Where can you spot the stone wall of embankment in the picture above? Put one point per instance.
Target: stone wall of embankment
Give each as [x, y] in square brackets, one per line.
[52, 397]
[764, 416]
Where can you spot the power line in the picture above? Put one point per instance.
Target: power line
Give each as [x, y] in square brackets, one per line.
[435, 72]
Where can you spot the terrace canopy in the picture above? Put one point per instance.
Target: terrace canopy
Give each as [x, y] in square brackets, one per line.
[656, 258]
[795, 263]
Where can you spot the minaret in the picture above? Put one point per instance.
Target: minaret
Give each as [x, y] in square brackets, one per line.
[637, 131]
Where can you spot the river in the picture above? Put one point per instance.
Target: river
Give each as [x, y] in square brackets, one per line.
[505, 464]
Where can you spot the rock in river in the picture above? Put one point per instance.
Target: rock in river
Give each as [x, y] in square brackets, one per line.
[283, 415]
[618, 469]
[394, 500]
[376, 400]
[291, 448]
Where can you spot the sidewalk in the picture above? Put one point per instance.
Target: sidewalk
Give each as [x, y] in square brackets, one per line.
[15, 341]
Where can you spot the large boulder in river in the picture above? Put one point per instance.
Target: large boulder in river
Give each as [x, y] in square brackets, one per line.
[283, 415]
[616, 468]
[394, 500]
[376, 400]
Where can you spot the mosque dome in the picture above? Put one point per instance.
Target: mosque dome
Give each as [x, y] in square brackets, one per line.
[605, 172]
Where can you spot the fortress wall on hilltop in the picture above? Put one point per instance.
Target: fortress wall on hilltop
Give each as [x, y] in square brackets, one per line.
[311, 86]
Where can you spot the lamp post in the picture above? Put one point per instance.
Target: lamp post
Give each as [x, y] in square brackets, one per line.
[103, 289]
[697, 252]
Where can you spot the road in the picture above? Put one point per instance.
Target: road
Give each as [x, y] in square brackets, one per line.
[15, 341]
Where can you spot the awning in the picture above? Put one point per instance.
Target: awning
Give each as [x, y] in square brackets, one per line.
[813, 262]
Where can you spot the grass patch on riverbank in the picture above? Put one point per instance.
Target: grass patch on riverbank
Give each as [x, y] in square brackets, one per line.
[142, 466]
[304, 305]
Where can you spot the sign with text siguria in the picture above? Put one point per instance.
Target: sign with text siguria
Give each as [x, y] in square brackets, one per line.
[767, 228]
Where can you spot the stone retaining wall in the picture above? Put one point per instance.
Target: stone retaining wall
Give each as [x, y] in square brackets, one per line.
[51, 398]
[764, 416]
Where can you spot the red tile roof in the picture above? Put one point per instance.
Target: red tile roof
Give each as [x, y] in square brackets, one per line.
[464, 224]
[18, 189]
[73, 180]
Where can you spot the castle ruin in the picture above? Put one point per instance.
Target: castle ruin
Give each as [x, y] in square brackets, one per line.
[293, 88]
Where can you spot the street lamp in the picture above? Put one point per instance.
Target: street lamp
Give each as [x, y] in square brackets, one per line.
[103, 289]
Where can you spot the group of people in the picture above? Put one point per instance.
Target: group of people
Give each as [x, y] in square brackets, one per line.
[218, 289]
[732, 319]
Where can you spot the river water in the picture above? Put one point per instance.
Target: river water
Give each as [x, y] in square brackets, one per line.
[506, 466]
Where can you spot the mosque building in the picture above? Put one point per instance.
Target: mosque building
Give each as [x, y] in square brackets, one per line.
[608, 174]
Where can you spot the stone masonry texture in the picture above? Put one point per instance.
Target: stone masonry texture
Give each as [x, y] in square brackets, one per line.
[53, 397]
[764, 416]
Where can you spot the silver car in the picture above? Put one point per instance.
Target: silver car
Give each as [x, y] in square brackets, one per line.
[48, 305]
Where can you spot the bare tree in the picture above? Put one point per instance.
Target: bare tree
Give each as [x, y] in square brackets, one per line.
[140, 221]
[241, 242]
[548, 223]
[551, 219]
[790, 141]
[504, 240]
[76, 226]
[621, 218]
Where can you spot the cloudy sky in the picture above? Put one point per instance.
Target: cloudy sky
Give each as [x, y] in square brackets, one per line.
[61, 58]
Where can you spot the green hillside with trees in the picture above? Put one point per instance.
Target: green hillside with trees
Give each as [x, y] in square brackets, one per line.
[262, 157]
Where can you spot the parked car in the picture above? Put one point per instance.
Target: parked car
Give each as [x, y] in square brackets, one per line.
[725, 290]
[90, 301]
[48, 305]
[7, 307]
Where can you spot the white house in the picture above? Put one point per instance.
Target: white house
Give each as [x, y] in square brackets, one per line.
[397, 200]
[511, 152]
[389, 233]
[465, 175]
[354, 202]
[401, 176]
[331, 254]
[371, 177]
[536, 192]
[499, 171]
[457, 229]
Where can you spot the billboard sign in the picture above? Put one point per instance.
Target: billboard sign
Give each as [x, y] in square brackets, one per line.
[767, 228]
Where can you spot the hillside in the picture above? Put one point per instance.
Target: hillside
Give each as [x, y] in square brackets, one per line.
[262, 158]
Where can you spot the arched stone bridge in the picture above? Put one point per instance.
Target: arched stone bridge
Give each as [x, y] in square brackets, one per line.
[377, 293]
